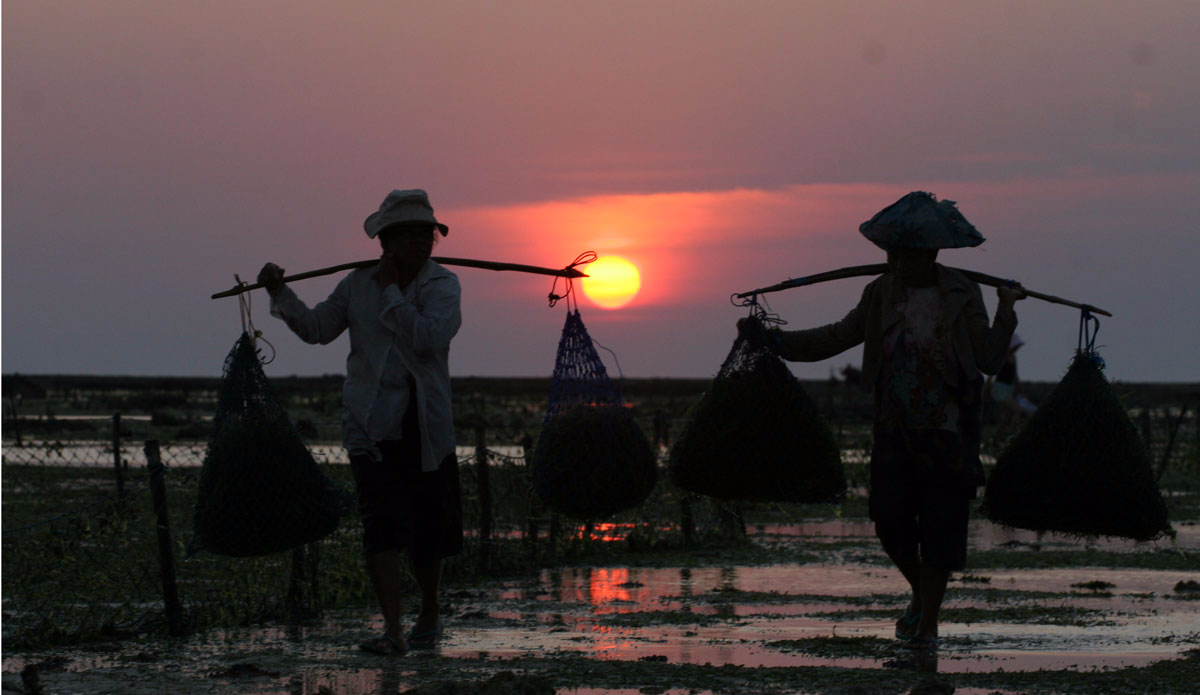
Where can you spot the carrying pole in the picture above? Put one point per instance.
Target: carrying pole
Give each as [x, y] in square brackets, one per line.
[568, 272]
[880, 268]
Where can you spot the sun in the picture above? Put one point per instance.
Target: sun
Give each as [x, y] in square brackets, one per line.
[612, 282]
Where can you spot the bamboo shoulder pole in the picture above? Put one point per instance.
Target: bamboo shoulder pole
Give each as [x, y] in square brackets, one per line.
[568, 272]
[880, 268]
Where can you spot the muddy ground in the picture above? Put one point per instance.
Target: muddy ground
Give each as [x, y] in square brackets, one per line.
[799, 608]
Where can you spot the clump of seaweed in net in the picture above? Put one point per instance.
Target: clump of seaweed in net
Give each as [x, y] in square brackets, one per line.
[591, 459]
[1078, 466]
[260, 489]
[756, 435]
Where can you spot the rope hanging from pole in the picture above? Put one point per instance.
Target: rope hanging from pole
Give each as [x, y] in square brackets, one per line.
[582, 259]
[1089, 326]
[245, 302]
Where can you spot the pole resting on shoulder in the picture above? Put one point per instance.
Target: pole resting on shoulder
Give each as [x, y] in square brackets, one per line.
[568, 272]
[881, 268]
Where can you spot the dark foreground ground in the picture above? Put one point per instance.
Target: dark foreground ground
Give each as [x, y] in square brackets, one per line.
[804, 604]
[798, 608]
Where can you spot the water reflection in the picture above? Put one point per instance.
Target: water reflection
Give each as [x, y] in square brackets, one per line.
[736, 615]
[731, 614]
[981, 535]
[607, 589]
[685, 582]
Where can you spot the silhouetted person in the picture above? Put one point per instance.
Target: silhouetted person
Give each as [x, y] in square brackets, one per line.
[398, 426]
[926, 337]
[852, 375]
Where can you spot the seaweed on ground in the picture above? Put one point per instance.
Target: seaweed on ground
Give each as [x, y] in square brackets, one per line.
[756, 435]
[503, 683]
[260, 489]
[1078, 466]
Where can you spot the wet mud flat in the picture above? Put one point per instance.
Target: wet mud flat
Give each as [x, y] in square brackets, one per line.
[800, 608]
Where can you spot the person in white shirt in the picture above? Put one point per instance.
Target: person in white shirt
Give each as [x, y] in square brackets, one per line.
[397, 420]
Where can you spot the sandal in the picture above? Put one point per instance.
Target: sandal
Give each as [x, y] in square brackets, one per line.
[906, 626]
[425, 639]
[922, 644]
[383, 645]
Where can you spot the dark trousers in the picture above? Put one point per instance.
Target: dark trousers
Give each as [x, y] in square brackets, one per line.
[919, 497]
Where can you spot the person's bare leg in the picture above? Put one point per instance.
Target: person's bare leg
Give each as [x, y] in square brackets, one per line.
[910, 567]
[384, 568]
[932, 590]
[429, 580]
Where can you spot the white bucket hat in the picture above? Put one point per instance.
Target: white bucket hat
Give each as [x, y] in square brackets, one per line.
[402, 206]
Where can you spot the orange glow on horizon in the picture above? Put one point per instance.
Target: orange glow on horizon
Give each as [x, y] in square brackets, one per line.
[612, 282]
[689, 248]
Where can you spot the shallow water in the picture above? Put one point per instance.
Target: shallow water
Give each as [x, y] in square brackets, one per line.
[981, 535]
[754, 616]
[1137, 628]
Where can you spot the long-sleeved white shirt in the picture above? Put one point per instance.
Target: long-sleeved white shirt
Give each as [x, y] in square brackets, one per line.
[417, 323]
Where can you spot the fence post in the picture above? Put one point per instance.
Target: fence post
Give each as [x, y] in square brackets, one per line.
[533, 504]
[166, 557]
[1147, 432]
[312, 555]
[16, 410]
[485, 499]
[116, 444]
[555, 532]
[686, 522]
[295, 595]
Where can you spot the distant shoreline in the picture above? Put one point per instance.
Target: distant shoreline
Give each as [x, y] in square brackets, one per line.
[31, 384]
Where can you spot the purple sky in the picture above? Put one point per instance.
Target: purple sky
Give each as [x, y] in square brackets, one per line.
[153, 149]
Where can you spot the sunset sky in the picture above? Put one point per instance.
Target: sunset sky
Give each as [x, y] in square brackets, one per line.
[152, 149]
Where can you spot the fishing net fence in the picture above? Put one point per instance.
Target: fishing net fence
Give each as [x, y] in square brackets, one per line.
[83, 561]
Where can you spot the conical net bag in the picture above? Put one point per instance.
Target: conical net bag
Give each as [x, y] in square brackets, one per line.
[260, 491]
[591, 459]
[756, 435]
[1078, 466]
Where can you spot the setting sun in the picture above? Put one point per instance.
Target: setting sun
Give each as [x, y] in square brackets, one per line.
[612, 282]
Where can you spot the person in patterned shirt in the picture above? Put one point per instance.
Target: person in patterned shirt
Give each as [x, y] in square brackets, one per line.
[926, 338]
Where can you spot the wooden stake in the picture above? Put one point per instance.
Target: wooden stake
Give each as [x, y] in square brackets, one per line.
[568, 272]
[118, 466]
[484, 490]
[880, 268]
[166, 556]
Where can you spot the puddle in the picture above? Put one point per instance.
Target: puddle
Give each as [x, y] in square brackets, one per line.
[824, 615]
[730, 615]
[981, 535]
[629, 691]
